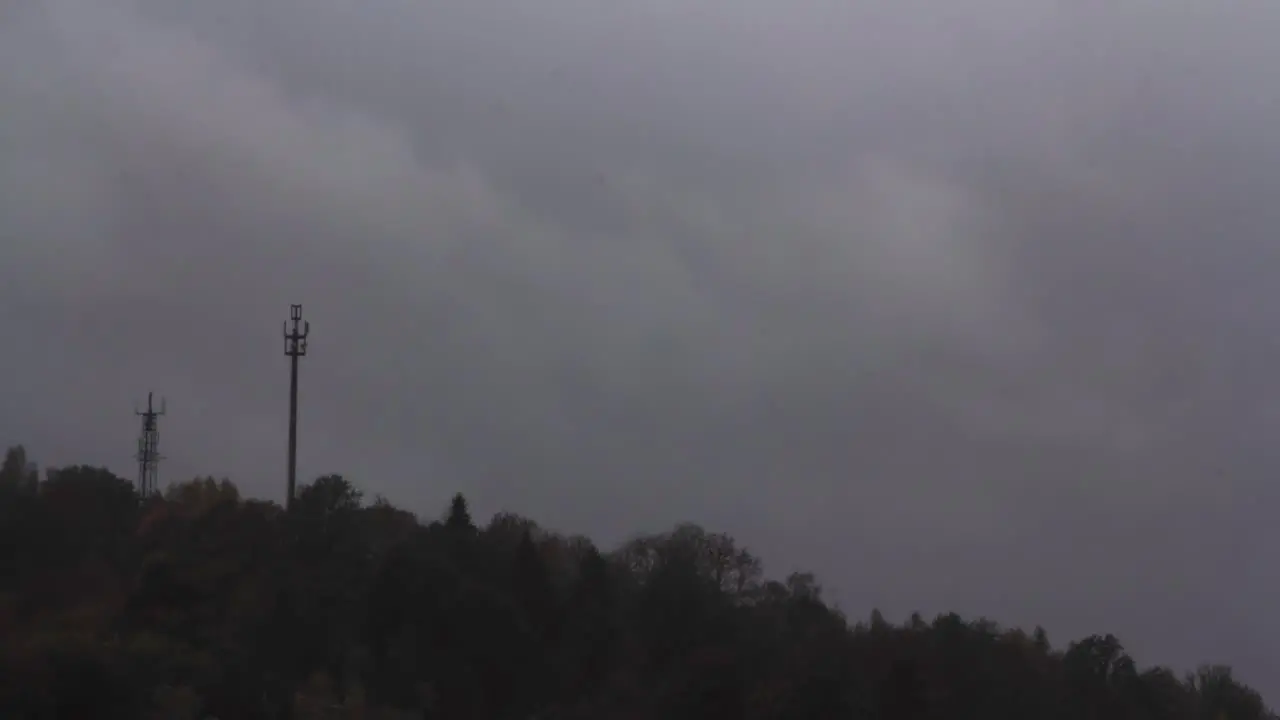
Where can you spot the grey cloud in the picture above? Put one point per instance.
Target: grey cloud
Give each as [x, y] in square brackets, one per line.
[965, 308]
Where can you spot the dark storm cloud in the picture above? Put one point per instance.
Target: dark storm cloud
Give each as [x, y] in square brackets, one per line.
[965, 308]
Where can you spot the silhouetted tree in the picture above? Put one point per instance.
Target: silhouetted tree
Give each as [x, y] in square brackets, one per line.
[459, 517]
[17, 474]
[202, 602]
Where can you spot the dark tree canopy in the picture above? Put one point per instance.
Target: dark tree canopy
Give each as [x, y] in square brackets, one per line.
[202, 603]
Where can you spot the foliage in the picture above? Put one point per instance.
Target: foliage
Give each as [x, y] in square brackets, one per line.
[205, 604]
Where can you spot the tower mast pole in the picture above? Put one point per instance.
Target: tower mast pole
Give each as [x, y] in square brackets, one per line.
[295, 346]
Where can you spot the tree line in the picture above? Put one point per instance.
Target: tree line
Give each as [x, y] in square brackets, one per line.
[202, 603]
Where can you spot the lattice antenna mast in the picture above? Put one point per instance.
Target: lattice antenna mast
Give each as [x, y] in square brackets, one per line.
[295, 346]
[149, 456]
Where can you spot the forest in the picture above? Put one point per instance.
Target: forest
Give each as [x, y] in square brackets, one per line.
[202, 603]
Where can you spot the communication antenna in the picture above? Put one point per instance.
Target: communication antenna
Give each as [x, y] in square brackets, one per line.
[295, 346]
[149, 456]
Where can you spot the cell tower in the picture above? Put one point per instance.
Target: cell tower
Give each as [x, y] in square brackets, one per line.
[295, 346]
[149, 456]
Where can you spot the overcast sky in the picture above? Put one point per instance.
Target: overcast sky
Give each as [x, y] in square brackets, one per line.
[965, 306]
